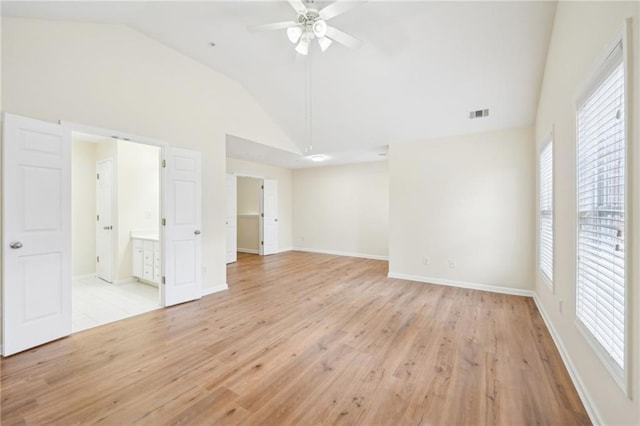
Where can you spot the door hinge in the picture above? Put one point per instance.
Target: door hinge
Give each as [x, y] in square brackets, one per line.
[98, 259]
[164, 280]
[164, 222]
[164, 163]
[261, 243]
[97, 175]
[261, 214]
[261, 186]
[98, 217]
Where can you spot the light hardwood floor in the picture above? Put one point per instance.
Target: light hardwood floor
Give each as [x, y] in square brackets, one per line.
[304, 338]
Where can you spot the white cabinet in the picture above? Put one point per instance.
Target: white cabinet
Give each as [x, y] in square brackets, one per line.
[146, 260]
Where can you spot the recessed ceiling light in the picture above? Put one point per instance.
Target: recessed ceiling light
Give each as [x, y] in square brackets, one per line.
[212, 44]
[318, 157]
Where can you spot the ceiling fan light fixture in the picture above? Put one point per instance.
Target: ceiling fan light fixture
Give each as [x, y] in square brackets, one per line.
[320, 28]
[294, 33]
[303, 47]
[324, 43]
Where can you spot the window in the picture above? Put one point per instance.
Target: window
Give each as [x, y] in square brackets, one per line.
[545, 230]
[601, 203]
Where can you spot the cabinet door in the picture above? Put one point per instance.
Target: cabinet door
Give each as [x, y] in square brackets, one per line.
[137, 262]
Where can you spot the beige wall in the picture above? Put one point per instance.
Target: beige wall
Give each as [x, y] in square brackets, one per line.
[580, 35]
[83, 208]
[138, 192]
[127, 82]
[283, 176]
[249, 191]
[467, 199]
[342, 209]
[249, 201]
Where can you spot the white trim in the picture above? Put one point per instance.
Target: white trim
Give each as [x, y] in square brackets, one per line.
[462, 284]
[83, 276]
[77, 127]
[246, 250]
[342, 253]
[594, 416]
[210, 290]
[282, 250]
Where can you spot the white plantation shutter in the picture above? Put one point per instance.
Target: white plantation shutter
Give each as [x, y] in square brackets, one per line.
[545, 232]
[601, 150]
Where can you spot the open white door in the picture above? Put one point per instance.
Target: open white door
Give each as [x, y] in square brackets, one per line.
[269, 217]
[104, 220]
[183, 217]
[231, 219]
[36, 301]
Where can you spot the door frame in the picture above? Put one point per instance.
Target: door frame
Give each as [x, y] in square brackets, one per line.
[128, 137]
[260, 216]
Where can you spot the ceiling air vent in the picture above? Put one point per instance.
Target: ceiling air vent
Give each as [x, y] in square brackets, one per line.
[479, 113]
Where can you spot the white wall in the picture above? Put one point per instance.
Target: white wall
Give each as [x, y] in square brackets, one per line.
[468, 199]
[113, 77]
[83, 208]
[138, 205]
[249, 193]
[342, 209]
[283, 176]
[581, 32]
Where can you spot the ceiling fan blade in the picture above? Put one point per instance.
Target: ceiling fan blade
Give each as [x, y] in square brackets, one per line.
[343, 38]
[338, 8]
[298, 6]
[274, 26]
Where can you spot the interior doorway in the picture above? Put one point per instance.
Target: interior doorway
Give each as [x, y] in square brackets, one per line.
[252, 216]
[116, 248]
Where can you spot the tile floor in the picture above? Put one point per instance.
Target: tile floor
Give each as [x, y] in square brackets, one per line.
[96, 302]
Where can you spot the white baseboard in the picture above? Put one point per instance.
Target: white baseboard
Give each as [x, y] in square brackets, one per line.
[463, 284]
[282, 250]
[210, 290]
[594, 416]
[128, 280]
[342, 253]
[246, 250]
[83, 276]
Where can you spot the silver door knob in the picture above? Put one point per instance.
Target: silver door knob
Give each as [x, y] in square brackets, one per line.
[15, 245]
[197, 232]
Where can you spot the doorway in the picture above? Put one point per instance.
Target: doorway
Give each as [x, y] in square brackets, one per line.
[116, 251]
[252, 216]
[37, 228]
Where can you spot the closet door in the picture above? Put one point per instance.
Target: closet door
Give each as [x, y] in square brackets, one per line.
[269, 217]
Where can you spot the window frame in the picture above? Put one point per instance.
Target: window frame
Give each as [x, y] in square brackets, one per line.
[549, 280]
[602, 69]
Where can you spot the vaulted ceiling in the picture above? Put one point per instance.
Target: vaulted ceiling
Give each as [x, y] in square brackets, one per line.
[423, 65]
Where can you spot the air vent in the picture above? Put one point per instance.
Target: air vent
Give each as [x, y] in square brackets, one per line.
[481, 113]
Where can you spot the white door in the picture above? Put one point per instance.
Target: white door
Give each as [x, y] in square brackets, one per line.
[269, 217]
[231, 220]
[183, 215]
[104, 220]
[36, 301]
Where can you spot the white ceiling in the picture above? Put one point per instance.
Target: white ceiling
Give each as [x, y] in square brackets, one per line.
[422, 68]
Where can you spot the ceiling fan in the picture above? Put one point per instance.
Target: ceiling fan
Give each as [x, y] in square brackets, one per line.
[312, 23]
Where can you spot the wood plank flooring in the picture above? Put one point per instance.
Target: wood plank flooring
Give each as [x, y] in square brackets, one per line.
[304, 339]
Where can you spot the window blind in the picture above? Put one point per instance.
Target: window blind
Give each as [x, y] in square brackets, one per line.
[545, 232]
[601, 275]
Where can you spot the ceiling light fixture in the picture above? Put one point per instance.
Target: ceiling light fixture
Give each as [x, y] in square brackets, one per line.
[294, 34]
[318, 157]
[324, 43]
[303, 47]
[320, 28]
